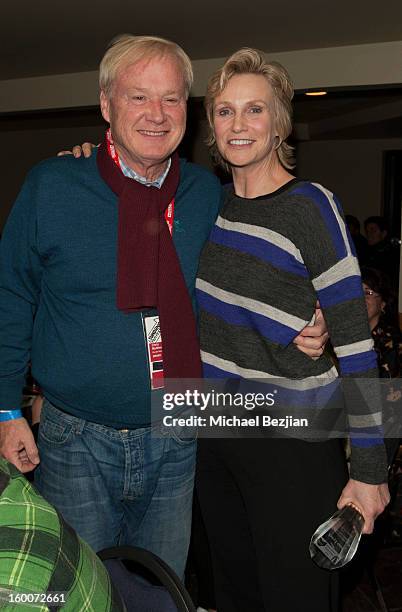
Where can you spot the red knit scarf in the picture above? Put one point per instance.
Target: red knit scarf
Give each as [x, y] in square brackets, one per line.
[148, 269]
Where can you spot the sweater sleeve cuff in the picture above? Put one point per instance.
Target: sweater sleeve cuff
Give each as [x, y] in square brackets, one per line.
[11, 394]
[369, 465]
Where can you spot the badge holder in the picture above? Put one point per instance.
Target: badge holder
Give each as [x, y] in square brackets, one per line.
[153, 341]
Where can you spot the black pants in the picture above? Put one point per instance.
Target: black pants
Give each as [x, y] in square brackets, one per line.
[261, 501]
[199, 562]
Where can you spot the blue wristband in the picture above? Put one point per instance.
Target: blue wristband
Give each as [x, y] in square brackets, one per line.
[9, 415]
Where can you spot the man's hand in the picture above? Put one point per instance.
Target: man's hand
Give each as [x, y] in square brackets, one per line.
[85, 148]
[313, 338]
[369, 499]
[17, 444]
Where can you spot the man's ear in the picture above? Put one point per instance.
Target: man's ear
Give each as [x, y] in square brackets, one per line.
[105, 106]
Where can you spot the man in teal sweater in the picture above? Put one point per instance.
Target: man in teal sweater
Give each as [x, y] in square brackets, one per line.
[89, 275]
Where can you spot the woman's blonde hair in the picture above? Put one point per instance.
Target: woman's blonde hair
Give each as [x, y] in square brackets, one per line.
[127, 48]
[252, 61]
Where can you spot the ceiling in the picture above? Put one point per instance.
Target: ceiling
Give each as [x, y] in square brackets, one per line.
[54, 37]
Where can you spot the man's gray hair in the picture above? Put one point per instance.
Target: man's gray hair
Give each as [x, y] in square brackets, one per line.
[128, 49]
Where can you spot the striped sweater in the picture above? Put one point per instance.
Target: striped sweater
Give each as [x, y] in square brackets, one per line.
[267, 261]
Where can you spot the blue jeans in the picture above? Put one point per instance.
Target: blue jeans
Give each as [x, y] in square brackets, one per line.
[118, 486]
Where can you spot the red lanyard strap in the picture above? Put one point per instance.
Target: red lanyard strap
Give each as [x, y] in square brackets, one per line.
[169, 212]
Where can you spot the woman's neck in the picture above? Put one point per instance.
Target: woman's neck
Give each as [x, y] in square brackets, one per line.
[260, 179]
[373, 322]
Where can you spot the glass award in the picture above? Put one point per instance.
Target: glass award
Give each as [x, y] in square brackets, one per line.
[335, 542]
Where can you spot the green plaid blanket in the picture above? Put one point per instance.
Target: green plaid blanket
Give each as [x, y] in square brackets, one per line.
[41, 557]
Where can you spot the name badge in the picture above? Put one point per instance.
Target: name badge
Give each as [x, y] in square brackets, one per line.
[153, 341]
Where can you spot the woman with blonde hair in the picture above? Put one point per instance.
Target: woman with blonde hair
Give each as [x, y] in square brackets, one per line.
[278, 245]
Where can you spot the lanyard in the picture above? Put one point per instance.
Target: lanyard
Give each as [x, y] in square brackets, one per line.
[169, 212]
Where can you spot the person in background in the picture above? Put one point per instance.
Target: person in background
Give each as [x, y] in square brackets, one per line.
[40, 553]
[382, 250]
[383, 321]
[359, 241]
[376, 230]
[278, 245]
[382, 313]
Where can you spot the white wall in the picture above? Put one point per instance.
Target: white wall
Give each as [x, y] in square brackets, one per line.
[371, 64]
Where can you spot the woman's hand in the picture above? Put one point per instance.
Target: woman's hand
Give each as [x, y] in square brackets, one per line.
[369, 499]
[78, 150]
[313, 338]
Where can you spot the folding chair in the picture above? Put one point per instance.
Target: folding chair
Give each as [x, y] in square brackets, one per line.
[127, 566]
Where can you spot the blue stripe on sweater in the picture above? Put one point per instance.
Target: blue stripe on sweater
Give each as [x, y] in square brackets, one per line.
[210, 371]
[366, 437]
[367, 442]
[235, 315]
[260, 248]
[346, 289]
[310, 191]
[358, 363]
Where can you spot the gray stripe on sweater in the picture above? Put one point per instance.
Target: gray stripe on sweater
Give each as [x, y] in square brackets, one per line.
[256, 352]
[354, 348]
[304, 384]
[365, 420]
[257, 280]
[263, 233]
[345, 268]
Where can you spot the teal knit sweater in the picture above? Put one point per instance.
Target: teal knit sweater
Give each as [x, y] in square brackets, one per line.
[58, 284]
